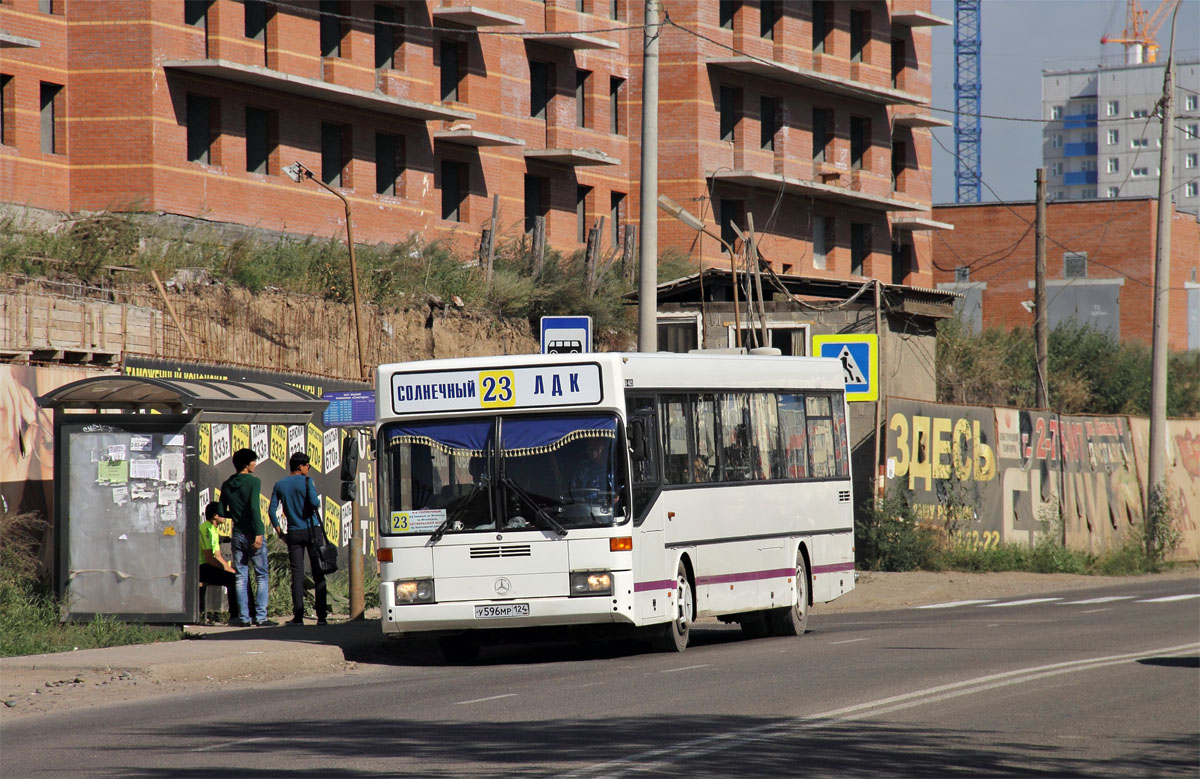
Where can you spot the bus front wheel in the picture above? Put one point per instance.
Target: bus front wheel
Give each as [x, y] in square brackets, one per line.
[793, 620]
[674, 635]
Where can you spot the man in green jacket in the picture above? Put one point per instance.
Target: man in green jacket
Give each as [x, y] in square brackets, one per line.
[240, 502]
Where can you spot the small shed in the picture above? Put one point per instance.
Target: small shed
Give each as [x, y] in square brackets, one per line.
[128, 485]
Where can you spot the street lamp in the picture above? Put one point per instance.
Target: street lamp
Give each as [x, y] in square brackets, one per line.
[298, 173]
[692, 221]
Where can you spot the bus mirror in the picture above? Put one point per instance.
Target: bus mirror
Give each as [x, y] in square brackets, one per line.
[349, 490]
[637, 439]
[349, 457]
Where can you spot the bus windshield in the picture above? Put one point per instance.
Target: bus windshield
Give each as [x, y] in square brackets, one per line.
[549, 471]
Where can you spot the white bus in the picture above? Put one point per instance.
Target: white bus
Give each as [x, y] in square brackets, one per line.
[635, 490]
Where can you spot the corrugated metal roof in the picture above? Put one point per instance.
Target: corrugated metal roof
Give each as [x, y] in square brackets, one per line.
[181, 396]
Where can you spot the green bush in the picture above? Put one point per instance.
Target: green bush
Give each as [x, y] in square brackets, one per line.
[888, 537]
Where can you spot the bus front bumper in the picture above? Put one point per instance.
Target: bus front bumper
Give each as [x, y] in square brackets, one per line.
[543, 612]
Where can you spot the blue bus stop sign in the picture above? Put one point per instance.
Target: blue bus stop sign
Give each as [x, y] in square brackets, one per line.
[566, 334]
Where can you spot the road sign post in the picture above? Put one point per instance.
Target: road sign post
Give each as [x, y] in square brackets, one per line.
[859, 355]
[566, 334]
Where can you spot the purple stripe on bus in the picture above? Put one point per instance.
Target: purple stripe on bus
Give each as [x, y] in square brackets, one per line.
[746, 576]
[665, 584]
[832, 568]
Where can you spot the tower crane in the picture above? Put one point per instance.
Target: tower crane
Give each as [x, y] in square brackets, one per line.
[1141, 27]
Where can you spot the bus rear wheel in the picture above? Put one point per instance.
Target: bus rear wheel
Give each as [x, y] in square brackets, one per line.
[673, 636]
[793, 620]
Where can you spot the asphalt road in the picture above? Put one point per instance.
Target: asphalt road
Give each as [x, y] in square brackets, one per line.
[1100, 683]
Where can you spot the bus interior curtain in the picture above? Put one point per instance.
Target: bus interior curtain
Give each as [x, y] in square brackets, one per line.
[521, 436]
[460, 437]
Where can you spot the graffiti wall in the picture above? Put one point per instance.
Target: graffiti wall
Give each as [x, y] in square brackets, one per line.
[1001, 475]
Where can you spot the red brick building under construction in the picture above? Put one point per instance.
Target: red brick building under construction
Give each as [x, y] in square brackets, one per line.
[812, 117]
[1099, 265]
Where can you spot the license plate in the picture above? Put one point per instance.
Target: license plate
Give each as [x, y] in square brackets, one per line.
[502, 610]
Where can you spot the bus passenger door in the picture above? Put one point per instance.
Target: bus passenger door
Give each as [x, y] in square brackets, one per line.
[650, 576]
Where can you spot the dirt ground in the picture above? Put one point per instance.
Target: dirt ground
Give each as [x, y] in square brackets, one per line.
[40, 692]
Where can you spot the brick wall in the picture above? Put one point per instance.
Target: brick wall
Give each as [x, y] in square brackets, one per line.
[997, 243]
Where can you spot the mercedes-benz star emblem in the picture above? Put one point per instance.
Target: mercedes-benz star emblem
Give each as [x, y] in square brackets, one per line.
[502, 586]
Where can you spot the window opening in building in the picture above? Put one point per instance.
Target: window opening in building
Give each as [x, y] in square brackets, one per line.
[1074, 265]
[389, 163]
[195, 12]
[768, 111]
[824, 236]
[333, 158]
[539, 88]
[677, 335]
[728, 11]
[820, 25]
[822, 129]
[860, 33]
[902, 262]
[582, 195]
[1141, 172]
[769, 12]
[962, 274]
[450, 70]
[534, 200]
[729, 97]
[1056, 141]
[1113, 108]
[860, 247]
[385, 37]
[1056, 112]
[1139, 143]
[1190, 103]
[899, 58]
[199, 129]
[899, 163]
[731, 212]
[1190, 189]
[7, 110]
[616, 88]
[1114, 191]
[1114, 165]
[258, 141]
[581, 95]
[255, 26]
[453, 190]
[616, 212]
[860, 140]
[1114, 137]
[1189, 160]
[1140, 113]
[331, 28]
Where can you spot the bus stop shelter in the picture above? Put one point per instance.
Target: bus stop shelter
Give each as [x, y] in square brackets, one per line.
[130, 488]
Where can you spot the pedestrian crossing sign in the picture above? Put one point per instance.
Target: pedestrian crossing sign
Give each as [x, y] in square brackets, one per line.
[859, 355]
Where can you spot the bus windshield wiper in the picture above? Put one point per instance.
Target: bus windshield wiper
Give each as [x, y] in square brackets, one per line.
[538, 511]
[441, 530]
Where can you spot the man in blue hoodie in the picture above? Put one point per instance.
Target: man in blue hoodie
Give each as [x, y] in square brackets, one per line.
[304, 536]
[239, 502]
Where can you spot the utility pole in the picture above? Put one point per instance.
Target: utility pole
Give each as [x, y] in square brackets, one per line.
[1156, 488]
[1040, 336]
[648, 252]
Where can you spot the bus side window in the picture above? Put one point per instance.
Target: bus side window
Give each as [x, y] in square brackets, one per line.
[841, 437]
[821, 444]
[764, 450]
[735, 437]
[673, 412]
[792, 431]
[705, 463]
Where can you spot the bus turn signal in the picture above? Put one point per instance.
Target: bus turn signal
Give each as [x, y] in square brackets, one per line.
[383, 555]
[620, 544]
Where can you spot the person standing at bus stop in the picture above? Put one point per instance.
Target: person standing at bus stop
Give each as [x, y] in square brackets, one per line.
[298, 496]
[240, 502]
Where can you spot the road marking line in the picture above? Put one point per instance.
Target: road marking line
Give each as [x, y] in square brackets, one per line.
[228, 744]
[686, 668]
[954, 603]
[1169, 598]
[489, 698]
[1094, 611]
[655, 759]
[1025, 602]
[1107, 599]
[848, 641]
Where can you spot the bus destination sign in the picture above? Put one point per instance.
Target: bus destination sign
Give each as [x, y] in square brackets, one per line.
[496, 388]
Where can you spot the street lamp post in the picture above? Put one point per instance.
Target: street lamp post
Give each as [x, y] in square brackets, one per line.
[692, 221]
[298, 173]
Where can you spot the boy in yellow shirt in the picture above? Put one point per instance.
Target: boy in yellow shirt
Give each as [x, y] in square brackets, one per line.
[215, 569]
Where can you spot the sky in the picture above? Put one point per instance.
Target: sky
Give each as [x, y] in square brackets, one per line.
[1020, 38]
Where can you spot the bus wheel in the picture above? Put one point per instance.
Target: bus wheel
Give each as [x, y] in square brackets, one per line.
[458, 649]
[674, 635]
[755, 625]
[792, 620]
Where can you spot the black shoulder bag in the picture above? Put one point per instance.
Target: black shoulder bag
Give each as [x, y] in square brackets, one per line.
[327, 553]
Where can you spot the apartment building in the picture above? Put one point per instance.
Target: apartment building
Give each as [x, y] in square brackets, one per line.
[1099, 266]
[1102, 136]
[809, 119]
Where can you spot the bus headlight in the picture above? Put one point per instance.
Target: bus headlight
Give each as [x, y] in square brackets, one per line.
[591, 583]
[414, 591]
